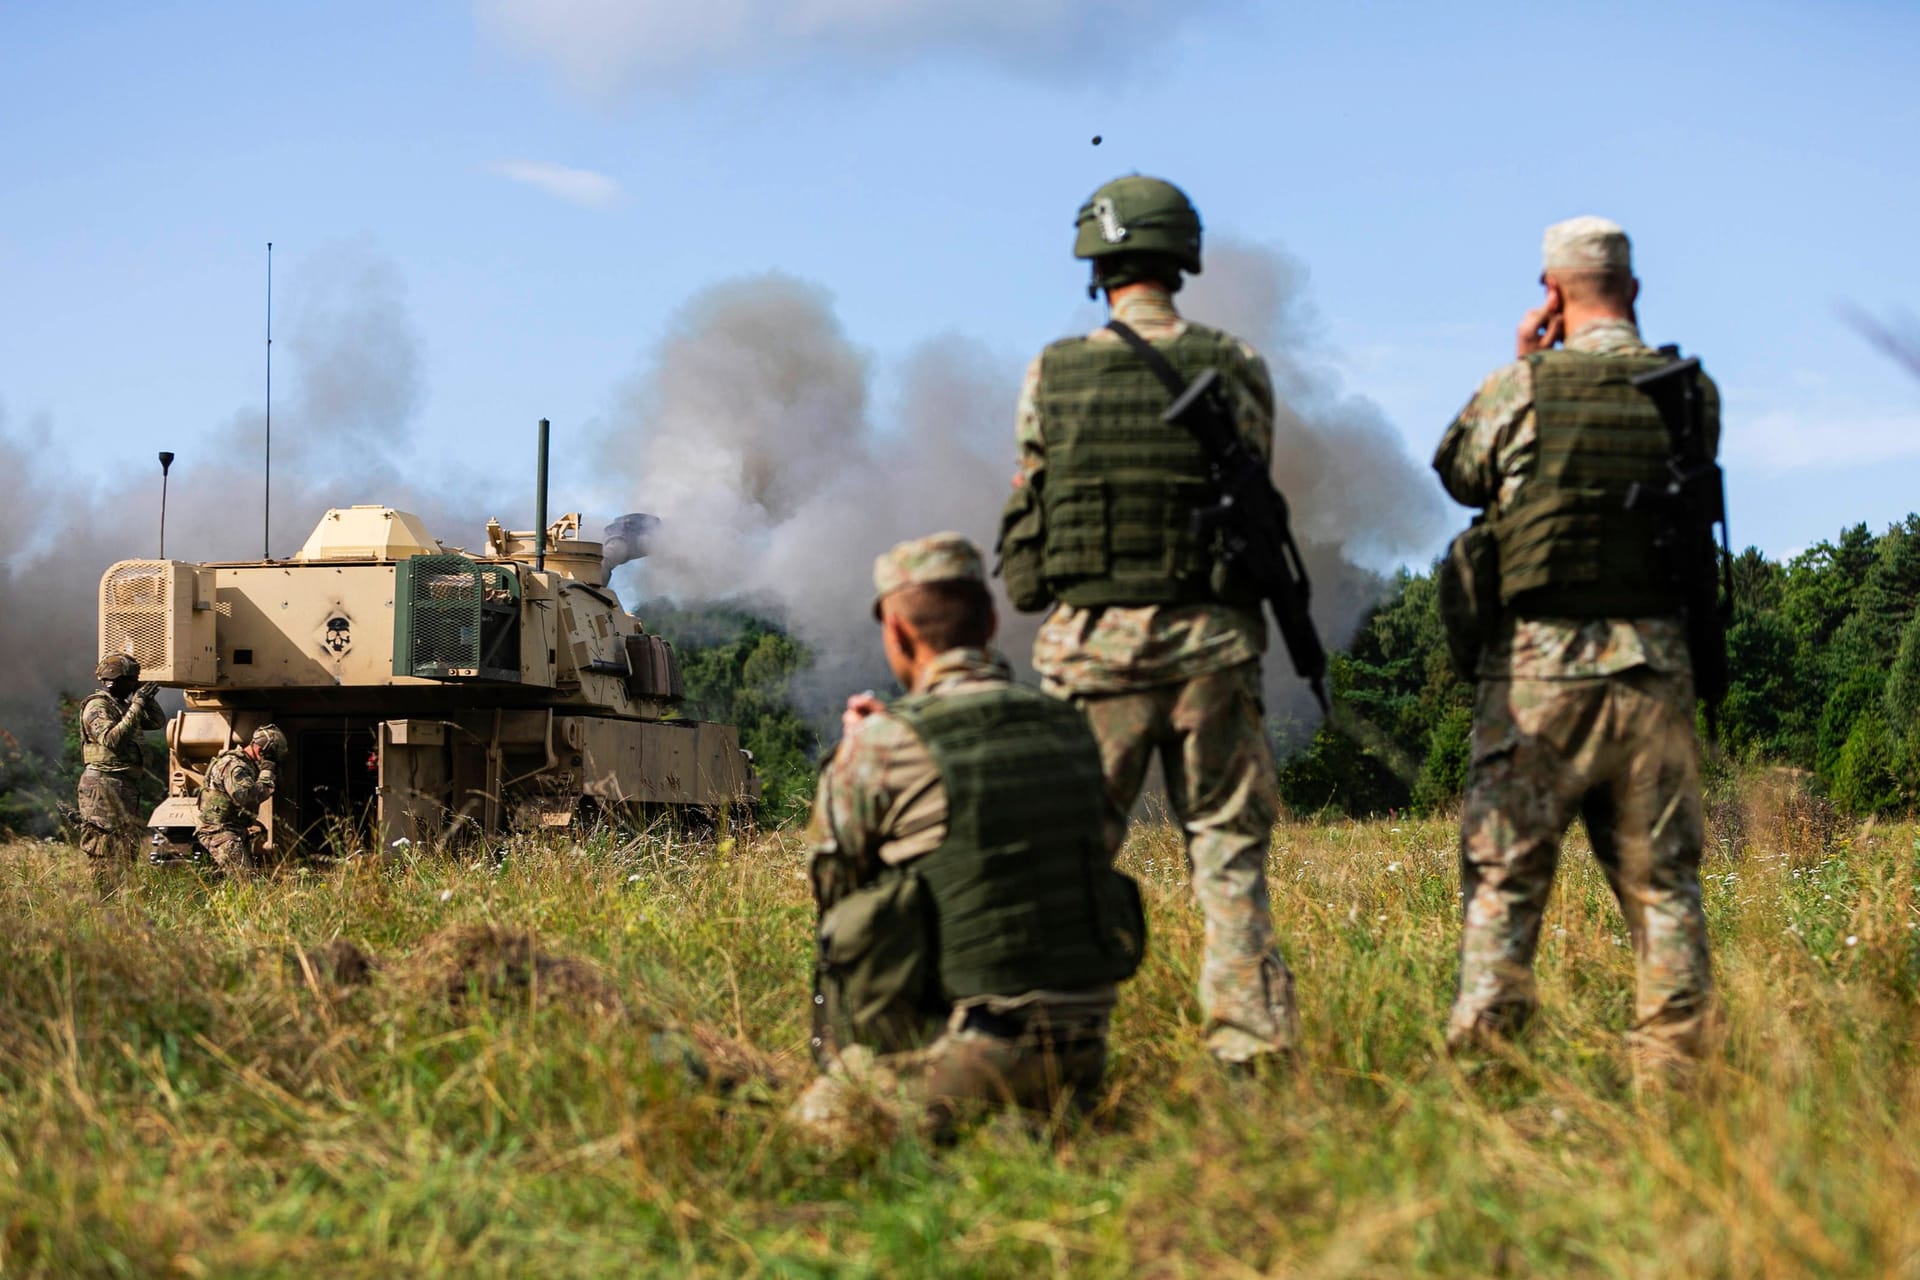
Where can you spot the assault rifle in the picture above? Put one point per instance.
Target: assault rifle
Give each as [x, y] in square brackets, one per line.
[1691, 504]
[1250, 519]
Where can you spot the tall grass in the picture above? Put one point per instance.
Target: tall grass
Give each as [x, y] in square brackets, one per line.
[190, 1084]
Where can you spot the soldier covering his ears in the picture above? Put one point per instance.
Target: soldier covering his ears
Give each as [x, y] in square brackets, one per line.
[112, 721]
[1585, 698]
[239, 781]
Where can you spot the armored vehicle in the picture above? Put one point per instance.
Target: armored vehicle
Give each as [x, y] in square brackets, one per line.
[426, 691]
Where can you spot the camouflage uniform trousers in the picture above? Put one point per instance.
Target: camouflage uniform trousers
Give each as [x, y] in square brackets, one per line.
[981, 1062]
[1224, 789]
[230, 848]
[110, 825]
[1620, 751]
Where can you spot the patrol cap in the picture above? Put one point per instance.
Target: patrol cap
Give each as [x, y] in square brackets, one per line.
[1586, 244]
[938, 557]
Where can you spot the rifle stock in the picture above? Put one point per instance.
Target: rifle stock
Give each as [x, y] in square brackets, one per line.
[1692, 504]
[1252, 524]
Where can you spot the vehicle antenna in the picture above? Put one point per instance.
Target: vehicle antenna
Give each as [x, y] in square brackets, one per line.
[266, 506]
[166, 461]
[540, 504]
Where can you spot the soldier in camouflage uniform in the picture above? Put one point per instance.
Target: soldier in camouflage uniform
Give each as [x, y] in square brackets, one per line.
[1148, 635]
[239, 781]
[1585, 700]
[972, 928]
[112, 721]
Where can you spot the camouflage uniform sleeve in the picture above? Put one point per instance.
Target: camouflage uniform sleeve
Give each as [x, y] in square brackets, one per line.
[243, 784]
[852, 807]
[1486, 443]
[154, 717]
[99, 723]
[1027, 431]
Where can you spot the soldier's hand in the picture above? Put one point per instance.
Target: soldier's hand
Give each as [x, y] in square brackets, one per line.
[147, 692]
[267, 778]
[1542, 327]
[859, 707]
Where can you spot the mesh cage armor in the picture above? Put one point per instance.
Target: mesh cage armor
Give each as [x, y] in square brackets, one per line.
[1021, 884]
[1122, 485]
[1569, 548]
[99, 755]
[217, 809]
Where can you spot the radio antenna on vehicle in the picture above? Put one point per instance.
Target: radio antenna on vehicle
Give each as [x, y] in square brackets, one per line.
[166, 461]
[266, 505]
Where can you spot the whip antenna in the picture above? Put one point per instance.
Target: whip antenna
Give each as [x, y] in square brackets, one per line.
[266, 506]
[166, 461]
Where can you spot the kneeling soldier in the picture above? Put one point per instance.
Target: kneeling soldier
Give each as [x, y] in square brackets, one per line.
[972, 928]
[239, 781]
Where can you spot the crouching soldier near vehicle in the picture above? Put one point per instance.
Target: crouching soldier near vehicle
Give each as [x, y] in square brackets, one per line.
[239, 781]
[112, 721]
[972, 928]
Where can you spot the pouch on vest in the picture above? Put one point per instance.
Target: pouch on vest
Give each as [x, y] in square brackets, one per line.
[1468, 587]
[878, 974]
[1022, 549]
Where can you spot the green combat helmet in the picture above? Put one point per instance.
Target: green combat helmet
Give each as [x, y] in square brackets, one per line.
[116, 667]
[1138, 215]
[272, 743]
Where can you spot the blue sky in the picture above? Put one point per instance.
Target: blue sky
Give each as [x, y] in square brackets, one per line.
[922, 163]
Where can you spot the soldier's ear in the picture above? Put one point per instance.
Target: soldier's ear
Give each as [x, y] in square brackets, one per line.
[898, 635]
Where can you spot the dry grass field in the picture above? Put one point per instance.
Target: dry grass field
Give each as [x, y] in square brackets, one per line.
[483, 1064]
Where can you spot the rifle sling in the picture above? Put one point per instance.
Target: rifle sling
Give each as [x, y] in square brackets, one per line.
[1162, 367]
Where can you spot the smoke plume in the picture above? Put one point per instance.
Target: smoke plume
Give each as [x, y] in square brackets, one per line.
[754, 437]
[351, 359]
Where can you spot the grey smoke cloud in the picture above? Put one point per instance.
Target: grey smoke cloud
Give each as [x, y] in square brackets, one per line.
[753, 436]
[603, 47]
[350, 358]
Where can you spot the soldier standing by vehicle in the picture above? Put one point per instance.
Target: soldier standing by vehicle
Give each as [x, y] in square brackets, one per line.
[972, 928]
[112, 721]
[239, 781]
[1585, 701]
[1151, 633]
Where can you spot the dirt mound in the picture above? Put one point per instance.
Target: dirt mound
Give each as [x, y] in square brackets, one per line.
[506, 966]
[1772, 812]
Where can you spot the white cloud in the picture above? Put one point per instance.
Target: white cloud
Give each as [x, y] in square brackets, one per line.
[575, 186]
[601, 47]
[1784, 440]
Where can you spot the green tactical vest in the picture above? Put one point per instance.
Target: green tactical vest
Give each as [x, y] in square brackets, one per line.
[98, 754]
[217, 809]
[1569, 548]
[1024, 897]
[1121, 485]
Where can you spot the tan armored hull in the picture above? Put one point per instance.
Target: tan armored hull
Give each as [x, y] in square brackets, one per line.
[425, 691]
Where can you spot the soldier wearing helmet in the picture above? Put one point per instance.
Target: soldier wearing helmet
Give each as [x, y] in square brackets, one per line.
[112, 721]
[239, 781]
[1147, 631]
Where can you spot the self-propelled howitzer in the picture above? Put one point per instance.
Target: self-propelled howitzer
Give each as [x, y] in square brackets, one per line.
[425, 691]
